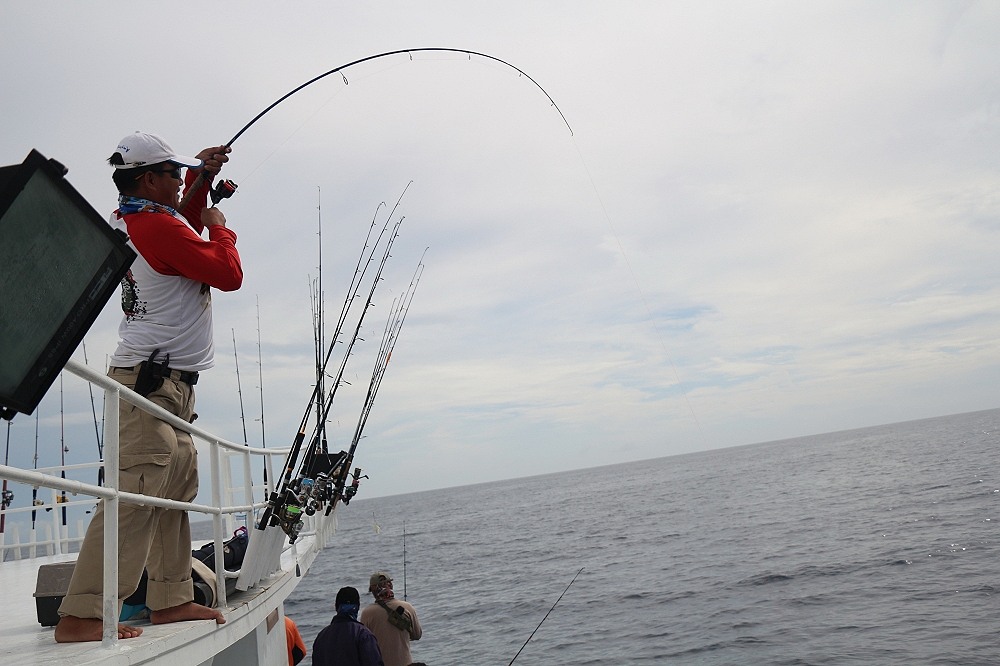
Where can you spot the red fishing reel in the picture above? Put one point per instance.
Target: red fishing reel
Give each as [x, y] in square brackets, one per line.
[222, 190]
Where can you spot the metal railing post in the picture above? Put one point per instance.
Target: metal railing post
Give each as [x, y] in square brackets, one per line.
[220, 568]
[248, 488]
[55, 549]
[12, 544]
[109, 637]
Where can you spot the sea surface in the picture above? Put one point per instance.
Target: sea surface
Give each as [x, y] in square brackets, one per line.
[871, 546]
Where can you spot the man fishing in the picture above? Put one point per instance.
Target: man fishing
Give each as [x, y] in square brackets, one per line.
[393, 622]
[166, 340]
[345, 641]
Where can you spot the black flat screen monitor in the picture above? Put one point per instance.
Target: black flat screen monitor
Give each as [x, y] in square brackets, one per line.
[60, 262]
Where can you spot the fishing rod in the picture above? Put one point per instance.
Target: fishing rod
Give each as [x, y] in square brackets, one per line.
[324, 401]
[352, 296]
[60, 499]
[272, 511]
[239, 389]
[341, 491]
[391, 334]
[400, 307]
[97, 430]
[312, 488]
[62, 447]
[34, 491]
[319, 332]
[337, 472]
[317, 300]
[227, 188]
[260, 382]
[318, 343]
[243, 418]
[404, 560]
[547, 615]
[7, 496]
[320, 298]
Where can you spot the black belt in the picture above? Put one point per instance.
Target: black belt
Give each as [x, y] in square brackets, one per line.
[185, 376]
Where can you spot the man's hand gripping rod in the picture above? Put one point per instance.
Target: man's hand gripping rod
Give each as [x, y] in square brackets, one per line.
[222, 190]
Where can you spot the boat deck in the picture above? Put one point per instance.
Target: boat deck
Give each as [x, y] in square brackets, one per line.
[25, 642]
[254, 632]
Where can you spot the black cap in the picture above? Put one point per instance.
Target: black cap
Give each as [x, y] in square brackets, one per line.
[348, 595]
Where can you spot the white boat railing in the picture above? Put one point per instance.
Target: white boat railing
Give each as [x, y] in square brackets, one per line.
[221, 452]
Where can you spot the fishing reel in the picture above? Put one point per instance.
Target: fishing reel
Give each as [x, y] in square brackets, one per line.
[306, 496]
[352, 490]
[222, 190]
[8, 498]
[287, 513]
[322, 493]
[318, 487]
[314, 493]
[290, 521]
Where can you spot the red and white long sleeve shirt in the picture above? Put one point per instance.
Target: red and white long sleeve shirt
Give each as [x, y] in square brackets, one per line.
[166, 296]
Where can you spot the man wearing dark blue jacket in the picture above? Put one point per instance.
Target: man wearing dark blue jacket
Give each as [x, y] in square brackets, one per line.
[345, 641]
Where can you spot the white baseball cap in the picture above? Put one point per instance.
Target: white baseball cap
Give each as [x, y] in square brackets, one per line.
[142, 149]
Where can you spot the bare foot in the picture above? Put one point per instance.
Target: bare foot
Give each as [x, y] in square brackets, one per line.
[188, 611]
[73, 629]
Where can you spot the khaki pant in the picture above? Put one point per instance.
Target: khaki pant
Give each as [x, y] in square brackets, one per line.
[155, 459]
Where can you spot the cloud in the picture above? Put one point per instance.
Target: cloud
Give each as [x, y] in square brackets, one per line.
[770, 220]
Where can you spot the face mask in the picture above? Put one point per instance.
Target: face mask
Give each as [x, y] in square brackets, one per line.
[351, 610]
[383, 592]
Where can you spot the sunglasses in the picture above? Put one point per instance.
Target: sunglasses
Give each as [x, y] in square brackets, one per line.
[175, 172]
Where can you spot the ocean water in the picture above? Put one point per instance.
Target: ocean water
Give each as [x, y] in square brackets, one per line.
[871, 546]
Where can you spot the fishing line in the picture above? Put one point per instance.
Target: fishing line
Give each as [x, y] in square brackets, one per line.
[638, 288]
[275, 513]
[547, 614]
[308, 120]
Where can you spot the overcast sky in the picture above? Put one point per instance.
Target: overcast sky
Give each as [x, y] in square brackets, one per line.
[771, 219]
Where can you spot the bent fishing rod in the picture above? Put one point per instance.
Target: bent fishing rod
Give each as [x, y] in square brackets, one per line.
[227, 188]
